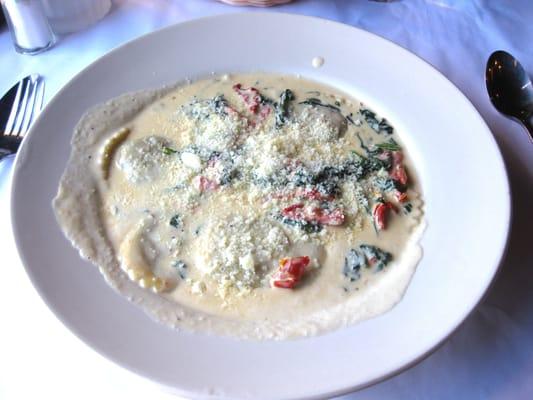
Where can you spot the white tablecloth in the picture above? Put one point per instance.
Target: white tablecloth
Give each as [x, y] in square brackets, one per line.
[489, 357]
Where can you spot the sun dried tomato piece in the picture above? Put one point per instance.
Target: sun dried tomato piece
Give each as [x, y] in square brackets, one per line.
[397, 171]
[313, 194]
[250, 96]
[290, 272]
[380, 213]
[255, 103]
[296, 211]
[334, 217]
[324, 216]
[401, 197]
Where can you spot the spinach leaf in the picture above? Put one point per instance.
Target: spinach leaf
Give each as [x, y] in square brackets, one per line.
[219, 104]
[366, 256]
[306, 226]
[302, 177]
[373, 162]
[181, 268]
[376, 124]
[389, 184]
[375, 256]
[312, 101]
[349, 118]
[353, 262]
[201, 109]
[282, 107]
[175, 221]
[362, 166]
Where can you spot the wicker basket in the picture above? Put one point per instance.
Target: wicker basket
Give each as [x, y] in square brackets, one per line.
[255, 3]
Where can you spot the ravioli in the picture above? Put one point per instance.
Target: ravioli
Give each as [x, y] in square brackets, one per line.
[255, 205]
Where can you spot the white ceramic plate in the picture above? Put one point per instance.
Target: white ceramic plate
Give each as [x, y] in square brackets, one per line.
[461, 171]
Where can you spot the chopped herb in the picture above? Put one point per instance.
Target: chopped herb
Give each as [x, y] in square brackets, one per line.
[168, 151]
[391, 145]
[181, 267]
[349, 118]
[175, 221]
[407, 208]
[282, 107]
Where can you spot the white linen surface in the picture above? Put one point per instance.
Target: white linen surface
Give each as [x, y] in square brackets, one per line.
[491, 354]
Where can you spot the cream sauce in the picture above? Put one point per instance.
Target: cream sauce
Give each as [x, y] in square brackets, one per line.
[176, 197]
[317, 62]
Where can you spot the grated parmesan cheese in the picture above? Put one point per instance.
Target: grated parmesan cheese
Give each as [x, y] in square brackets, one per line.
[233, 251]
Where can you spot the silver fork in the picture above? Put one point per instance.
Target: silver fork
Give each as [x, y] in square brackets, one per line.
[26, 106]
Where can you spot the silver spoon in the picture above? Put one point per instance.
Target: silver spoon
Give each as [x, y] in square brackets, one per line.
[510, 88]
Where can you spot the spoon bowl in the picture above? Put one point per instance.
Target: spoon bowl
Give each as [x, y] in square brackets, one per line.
[510, 88]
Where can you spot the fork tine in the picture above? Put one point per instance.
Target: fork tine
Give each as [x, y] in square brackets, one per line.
[38, 104]
[22, 108]
[14, 108]
[40, 97]
[30, 106]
